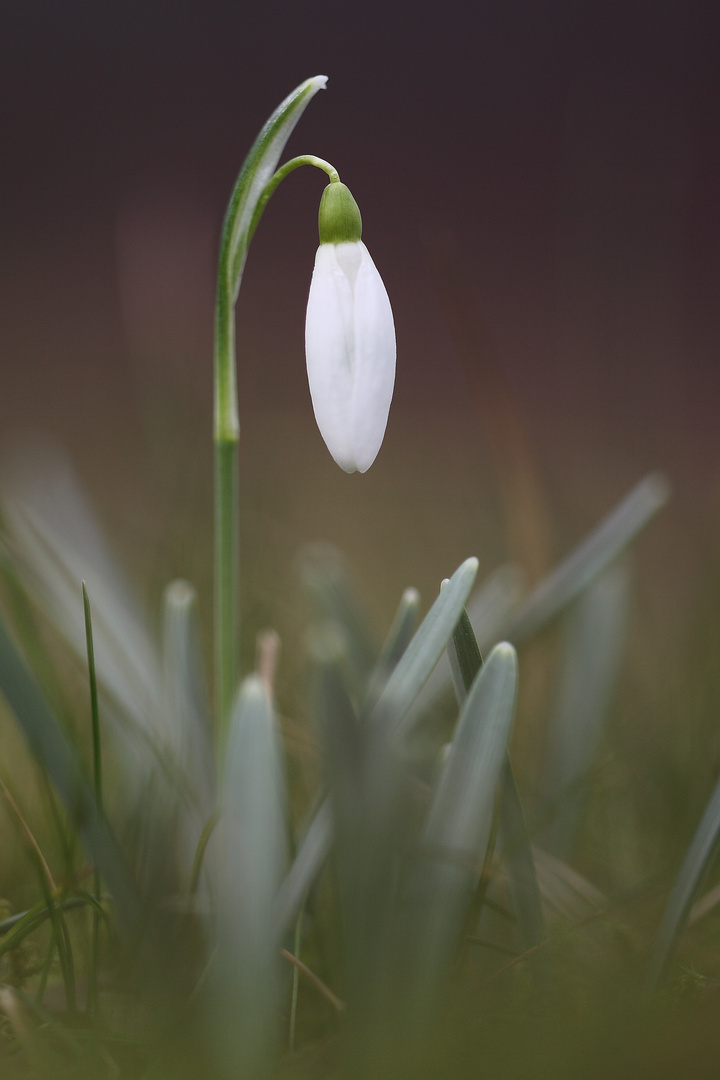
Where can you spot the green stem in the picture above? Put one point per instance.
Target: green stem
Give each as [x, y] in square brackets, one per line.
[233, 253]
[227, 526]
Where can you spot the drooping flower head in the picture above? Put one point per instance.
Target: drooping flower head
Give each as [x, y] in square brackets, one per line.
[349, 337]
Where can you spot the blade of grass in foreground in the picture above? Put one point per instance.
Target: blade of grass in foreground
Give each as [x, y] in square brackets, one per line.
[56, 754]
[687, 885]
[16, 927]
[312, 853]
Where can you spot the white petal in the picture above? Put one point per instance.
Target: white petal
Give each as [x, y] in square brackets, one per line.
[329, 348]
[375, 352]
[350, 348]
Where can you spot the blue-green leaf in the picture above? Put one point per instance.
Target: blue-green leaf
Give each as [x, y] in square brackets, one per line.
[459, 821]
[246, 860]
[188, 704]
[422, 654]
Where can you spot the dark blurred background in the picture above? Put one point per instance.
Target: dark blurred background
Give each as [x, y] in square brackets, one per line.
[539, 183]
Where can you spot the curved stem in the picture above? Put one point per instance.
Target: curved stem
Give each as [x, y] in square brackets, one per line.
[254, 185]
[279, 176]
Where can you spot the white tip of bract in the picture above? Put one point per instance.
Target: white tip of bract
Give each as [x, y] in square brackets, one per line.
[350, 349]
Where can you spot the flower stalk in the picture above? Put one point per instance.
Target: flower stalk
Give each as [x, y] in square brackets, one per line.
[350, 348]
[255, 183]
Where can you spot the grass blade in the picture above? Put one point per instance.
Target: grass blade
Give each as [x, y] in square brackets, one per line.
[97, 778]
[308, 863]
[56, 542]
[687, 885]
[55, 753]
[16, 927]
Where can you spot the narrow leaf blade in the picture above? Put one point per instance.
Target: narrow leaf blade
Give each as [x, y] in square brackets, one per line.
[425, 649]
[687, 885]
[459, 821]
[588, 560]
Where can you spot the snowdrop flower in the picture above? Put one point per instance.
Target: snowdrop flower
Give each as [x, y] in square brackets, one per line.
[349, 337]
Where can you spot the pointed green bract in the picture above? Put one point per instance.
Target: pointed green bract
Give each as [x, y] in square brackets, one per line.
[256, 171]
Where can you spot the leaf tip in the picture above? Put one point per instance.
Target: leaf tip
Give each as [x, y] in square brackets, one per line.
[659, 487]
[505, 653]
[253, 689]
